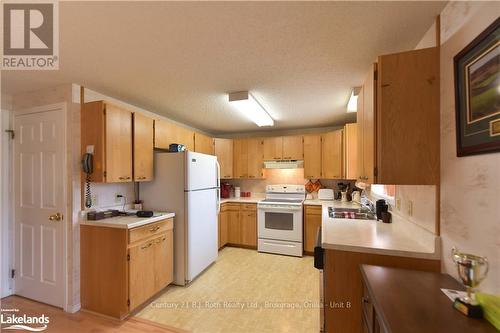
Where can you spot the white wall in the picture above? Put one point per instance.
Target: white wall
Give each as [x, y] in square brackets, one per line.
[470, 186]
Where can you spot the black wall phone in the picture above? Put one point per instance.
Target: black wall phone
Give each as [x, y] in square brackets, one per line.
[88, 168]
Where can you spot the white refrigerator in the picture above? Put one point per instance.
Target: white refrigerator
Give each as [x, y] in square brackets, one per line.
[188, 184]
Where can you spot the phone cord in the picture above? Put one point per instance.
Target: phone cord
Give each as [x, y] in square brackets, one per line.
[88, 198]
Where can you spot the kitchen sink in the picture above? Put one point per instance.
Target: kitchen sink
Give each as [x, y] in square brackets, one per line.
[351, 213]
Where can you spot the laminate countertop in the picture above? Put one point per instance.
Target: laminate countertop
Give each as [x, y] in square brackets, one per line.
[399, 238]
[128, 222]
[253, 199]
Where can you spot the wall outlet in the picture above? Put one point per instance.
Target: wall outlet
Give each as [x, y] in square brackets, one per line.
[94, 200]
[119, 198]
[410, 208]
[398, 203]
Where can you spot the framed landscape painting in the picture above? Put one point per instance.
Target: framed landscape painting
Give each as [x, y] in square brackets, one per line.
[477, 94]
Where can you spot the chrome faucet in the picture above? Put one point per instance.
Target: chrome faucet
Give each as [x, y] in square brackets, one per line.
[368, 204]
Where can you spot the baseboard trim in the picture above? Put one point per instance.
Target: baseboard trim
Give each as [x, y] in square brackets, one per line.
[73, 308]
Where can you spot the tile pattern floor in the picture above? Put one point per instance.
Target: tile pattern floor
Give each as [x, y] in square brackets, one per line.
[244, 292]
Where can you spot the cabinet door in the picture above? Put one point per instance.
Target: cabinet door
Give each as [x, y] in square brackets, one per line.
[312, 156]
[293, 148]
[143, 148]
[141, 273]
[331, 155]
[233, 223]
[351, 151]
[163, 261]
[368, 123]
[118, 144]
[360, 116]
[223, 227]
[167, 133]
[311, 224]
[248, 221]
[203, 144]
[224, 153]
[407, 118]
[255, 158]
[240, 158]
[273, 148]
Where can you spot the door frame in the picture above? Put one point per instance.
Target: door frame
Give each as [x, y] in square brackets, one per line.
[61, 107]
[6, 223]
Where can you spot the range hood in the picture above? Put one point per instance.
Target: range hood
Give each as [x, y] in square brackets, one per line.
[284, 164]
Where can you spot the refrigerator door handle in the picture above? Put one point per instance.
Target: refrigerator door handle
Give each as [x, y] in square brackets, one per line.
[218, 186]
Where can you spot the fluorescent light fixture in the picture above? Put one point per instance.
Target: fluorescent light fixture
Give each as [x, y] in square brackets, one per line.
[352, 105]
[247, 104]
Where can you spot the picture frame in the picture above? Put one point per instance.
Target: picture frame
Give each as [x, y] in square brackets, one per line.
[477, 94]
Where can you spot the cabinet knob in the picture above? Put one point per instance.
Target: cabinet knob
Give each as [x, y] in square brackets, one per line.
[155, 229]
[146, 246]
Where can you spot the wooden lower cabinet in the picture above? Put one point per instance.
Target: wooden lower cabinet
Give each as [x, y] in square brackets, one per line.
[238, 225]
[312, 221]
[121, 269]
[343, 287]
[248, 223]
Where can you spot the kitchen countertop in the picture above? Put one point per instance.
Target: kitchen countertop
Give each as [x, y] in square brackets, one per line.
[399, 238]
[253, 199]
[128, 222]
[334, 203]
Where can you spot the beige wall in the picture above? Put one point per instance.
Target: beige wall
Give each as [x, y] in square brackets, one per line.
[279, 176]
[6, 103]
[470, 186]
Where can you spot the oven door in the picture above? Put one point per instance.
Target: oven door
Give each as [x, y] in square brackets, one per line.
[280, 222]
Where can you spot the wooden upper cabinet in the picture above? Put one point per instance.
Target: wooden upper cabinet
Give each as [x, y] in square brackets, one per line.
[224, 153]
[312, 156]
[143, 148]
[331, 155]
[273, 148]
[351, 151]
[359, 118]
[293, 148]
[167, 133]
[408, 118]
[255, 149]
[368, 139]
[240, 158]
[118, 144]
[203, 144]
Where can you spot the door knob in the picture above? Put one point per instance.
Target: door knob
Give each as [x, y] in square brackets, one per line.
[56, 217]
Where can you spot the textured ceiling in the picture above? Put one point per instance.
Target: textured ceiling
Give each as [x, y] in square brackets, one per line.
[179, 59]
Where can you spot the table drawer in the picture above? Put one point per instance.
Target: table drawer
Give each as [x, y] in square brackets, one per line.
[149, 230]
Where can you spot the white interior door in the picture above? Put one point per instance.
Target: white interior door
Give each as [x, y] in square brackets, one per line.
[39, 196]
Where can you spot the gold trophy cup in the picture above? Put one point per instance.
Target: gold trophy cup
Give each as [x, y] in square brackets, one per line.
[472, 270]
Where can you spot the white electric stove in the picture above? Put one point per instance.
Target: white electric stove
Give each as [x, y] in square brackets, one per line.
[279, 220]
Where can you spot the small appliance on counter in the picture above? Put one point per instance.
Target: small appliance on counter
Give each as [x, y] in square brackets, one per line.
[225, 190]
[176, 147]
[381, 207]
[325, 194]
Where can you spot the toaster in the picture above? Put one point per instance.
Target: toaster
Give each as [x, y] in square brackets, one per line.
[325, 194]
